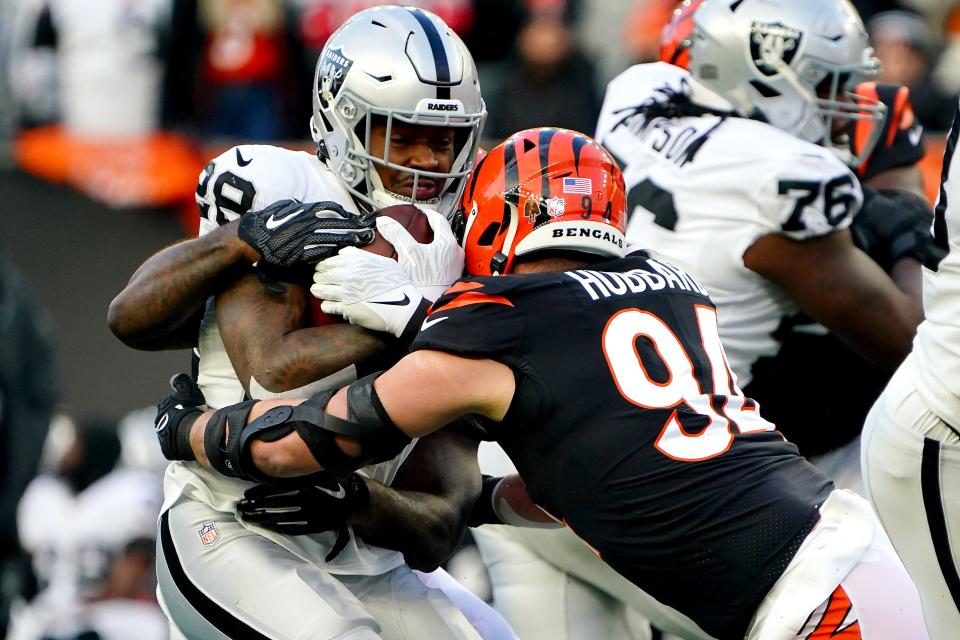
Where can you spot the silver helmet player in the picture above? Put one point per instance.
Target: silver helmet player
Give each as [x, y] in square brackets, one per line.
[388, 65]
[792, 63]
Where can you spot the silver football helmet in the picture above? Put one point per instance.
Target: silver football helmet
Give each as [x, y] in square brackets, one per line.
[391, 64]
[792, 62]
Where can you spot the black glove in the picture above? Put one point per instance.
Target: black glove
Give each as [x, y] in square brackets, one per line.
[325, 505]
[293, 236]
[176, 413]
[290, 233]
[892, 225]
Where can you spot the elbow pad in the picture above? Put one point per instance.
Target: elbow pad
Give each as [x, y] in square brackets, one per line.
[222, 448]
[367, 422]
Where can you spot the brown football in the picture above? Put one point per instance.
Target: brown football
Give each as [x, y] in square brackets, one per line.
[416, 224]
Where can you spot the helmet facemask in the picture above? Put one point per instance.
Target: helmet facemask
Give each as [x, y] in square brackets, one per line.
[829, 88]
[361, 83]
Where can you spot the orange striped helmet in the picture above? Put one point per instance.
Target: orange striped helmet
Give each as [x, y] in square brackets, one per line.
[677, 36]
[543, 189]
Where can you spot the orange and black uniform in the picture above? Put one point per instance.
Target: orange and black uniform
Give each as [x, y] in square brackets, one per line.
[707, 537]
[901, 142]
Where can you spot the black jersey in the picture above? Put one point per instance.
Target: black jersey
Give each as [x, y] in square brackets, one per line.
[901, 142]
[628, 425]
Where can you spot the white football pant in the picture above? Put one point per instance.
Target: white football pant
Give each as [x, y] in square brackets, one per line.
[246, 586]
[911, 469]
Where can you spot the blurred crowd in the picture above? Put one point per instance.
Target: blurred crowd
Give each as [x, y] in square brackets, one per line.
[115, 96]
[126, 99]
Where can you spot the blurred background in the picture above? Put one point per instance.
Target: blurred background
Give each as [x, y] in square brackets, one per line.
[108, 111]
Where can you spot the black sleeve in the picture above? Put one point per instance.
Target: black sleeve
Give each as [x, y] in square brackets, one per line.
[901, 142]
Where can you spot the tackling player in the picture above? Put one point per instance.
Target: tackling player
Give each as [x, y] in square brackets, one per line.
[646, 447]
[911, 439]
[397, 112]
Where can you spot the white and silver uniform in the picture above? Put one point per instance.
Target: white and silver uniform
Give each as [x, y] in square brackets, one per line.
[234, 187]
[911, 438]
[220, 577]
[704, 189]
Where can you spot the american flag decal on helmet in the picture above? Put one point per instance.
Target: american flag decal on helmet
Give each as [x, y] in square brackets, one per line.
[578, 185]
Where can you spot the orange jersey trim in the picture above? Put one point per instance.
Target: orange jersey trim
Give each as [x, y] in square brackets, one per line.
[838, 609]
[466, 299]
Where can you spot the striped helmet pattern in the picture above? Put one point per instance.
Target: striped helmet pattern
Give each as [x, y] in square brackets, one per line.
[543, 189]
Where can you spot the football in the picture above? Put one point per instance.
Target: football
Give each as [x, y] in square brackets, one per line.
[416, 224]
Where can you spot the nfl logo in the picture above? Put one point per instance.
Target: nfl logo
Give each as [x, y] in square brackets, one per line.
[556, 207]
[208, 533]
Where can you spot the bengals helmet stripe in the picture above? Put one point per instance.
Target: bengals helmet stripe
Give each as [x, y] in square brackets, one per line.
[543, 189]
[677, 36]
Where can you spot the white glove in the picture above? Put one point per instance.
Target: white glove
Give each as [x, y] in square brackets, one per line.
[368, 290]
[432, 267]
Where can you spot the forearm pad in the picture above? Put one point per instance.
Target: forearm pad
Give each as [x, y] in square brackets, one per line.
[367, 422]
[221, 445]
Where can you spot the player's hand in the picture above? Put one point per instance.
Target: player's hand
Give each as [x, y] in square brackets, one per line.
[289, 233]
[324, 506]
[369, 290]
[432, 267]
[176, 414]
[891, 226]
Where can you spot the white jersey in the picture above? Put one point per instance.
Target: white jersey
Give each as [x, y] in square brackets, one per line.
[702, 190]
[248, 178]
[936, 347]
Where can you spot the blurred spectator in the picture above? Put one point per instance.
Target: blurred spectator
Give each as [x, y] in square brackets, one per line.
[869, 8]
[904, 45]
[246, 61]
[108, 63]
[946, 74]
[641, 32]
[320, 18]
[552, 82]
[91, 531]
[32, 67]
[108, 71]
[27, 395]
